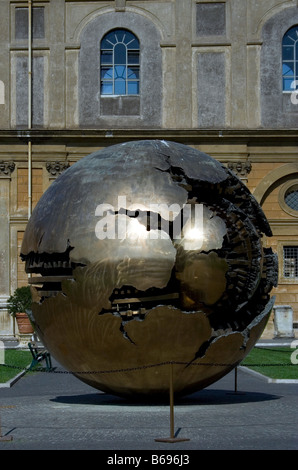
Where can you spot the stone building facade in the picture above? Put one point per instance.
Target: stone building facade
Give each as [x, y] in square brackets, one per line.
[217, 75]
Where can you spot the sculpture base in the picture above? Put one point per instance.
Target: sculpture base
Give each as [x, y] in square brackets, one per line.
[5, 438]
[171, 439]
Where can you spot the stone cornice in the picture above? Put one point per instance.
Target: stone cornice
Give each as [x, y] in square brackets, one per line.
[238, 145]
[244, 136]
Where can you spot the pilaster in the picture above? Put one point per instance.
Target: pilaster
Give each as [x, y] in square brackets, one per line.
[6, 168]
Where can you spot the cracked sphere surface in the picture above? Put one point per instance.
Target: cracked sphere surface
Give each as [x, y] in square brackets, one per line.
[145, 253]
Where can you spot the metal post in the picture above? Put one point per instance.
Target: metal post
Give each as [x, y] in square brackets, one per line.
[4, 438]
[235, 392]
[172, 437]
[29, 106]
[172, 432]
[29, 64]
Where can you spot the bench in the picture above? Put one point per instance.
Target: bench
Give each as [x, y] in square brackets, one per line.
[39, 354]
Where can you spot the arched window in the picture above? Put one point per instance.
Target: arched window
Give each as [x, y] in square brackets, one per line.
[120, 63]
[290, 59]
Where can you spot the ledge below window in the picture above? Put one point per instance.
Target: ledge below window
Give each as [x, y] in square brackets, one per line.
[120, 105]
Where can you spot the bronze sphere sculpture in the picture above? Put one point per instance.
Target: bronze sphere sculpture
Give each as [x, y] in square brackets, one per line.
[145, 253]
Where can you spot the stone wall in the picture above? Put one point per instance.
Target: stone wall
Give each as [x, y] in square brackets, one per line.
[203, 64]
[210, 77]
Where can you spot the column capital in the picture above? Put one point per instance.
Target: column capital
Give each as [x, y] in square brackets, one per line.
[241, 169]
[6, 168]
[55, 168]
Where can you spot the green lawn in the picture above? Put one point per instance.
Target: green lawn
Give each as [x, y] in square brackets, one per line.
[272, 362]
[16, 358]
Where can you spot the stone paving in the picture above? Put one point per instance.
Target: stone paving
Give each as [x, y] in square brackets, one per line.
[56, 411]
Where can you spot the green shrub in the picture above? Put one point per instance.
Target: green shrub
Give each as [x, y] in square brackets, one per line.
[20, 301]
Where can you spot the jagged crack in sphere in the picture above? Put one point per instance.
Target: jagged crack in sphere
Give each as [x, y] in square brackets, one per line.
[146, 253]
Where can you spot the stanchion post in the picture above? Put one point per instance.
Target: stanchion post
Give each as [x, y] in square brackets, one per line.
[4, 438]
[172, 437]
[172, 431]
[235, 392]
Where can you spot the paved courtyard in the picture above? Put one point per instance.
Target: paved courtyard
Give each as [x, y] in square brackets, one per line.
[57, 411]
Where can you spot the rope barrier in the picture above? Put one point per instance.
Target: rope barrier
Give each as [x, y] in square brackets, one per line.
[160, 364]
[172, 438]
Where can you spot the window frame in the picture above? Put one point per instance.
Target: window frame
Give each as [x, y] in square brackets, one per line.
[282, 194]
[120, 70]
[281, 244]
[293, 257]
[294, 59]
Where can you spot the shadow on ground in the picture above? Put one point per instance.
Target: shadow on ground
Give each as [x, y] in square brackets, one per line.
[204, 397]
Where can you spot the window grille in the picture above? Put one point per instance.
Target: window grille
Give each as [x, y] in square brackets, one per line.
[291, 198]
[290, 267]
[290, 59]
[120, 63]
